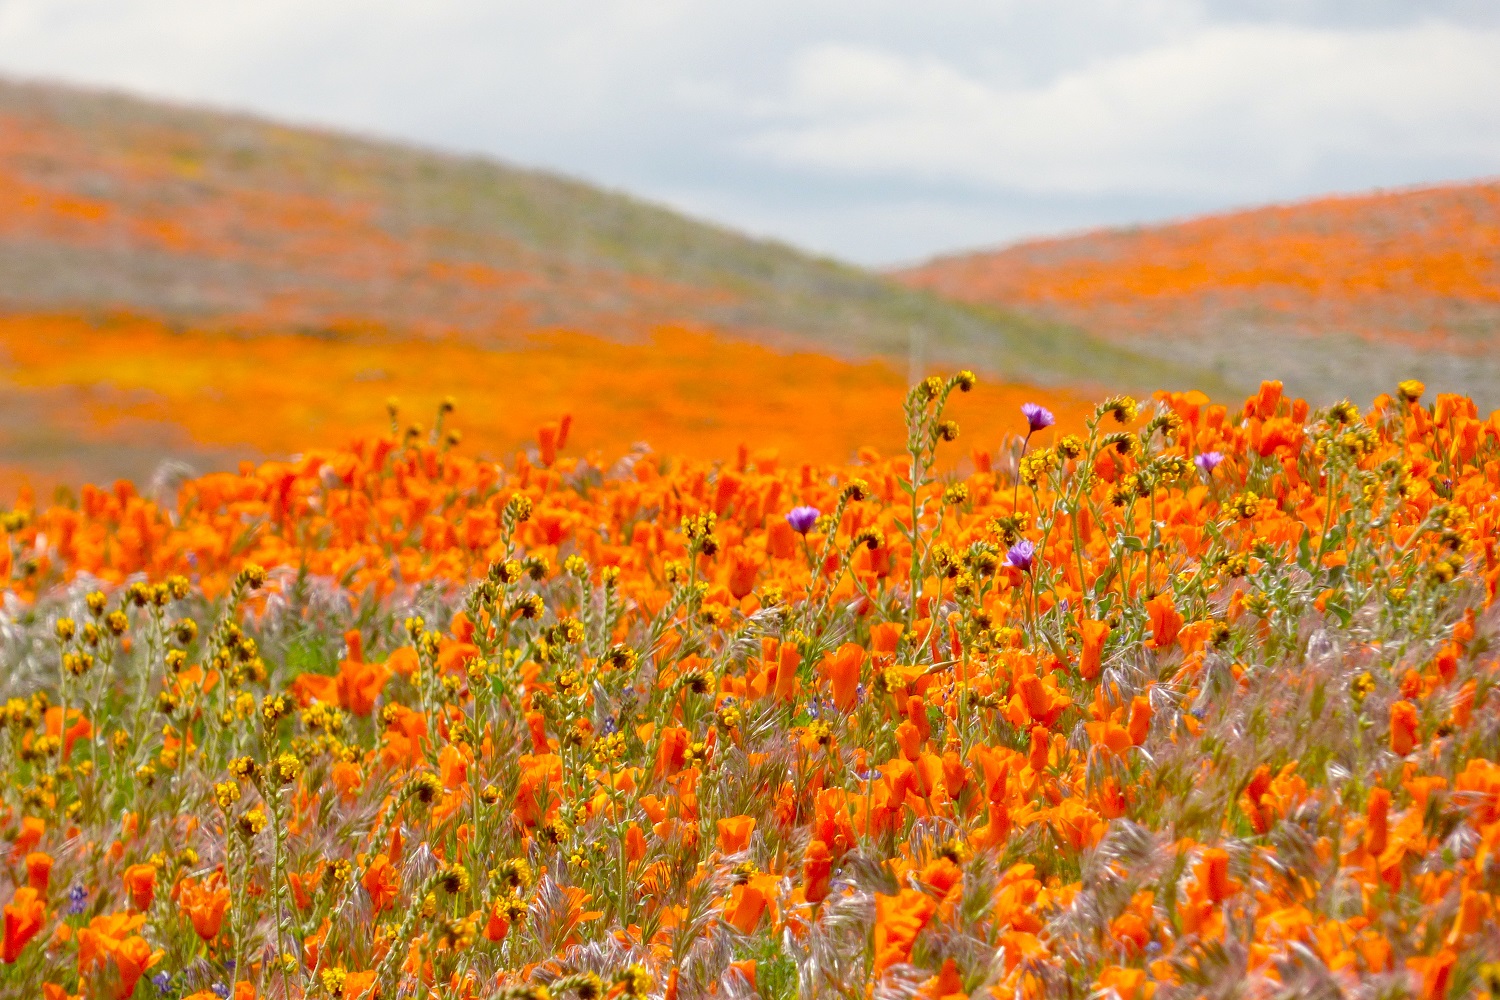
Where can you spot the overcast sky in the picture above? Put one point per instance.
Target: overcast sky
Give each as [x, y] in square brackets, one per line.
[877, 131]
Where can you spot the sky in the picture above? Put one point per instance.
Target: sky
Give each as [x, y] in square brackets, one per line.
[876, 131]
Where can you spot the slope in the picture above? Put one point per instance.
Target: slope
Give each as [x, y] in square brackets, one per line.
[217, 230]
[1340, 296]
[224, 220]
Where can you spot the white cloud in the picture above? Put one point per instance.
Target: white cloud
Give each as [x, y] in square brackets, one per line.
[1227, 112]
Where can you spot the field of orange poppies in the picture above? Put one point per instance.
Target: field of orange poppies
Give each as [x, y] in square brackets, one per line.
[96, 401]
[1337, 294]
[1145, 698]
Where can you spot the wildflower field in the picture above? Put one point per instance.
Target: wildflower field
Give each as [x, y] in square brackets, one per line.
[1179, 701]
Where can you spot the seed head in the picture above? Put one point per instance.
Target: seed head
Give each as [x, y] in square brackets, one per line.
[454, 879]
[425, 787]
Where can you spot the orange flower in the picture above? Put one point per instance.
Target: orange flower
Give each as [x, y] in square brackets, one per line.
[1037, 700]
[540, 774]
[403, 661]
[1166, 622]
[1125, 983]
[80, 728]
[357, 986]
[831, 822]
[536, 725]
[746, 968]
[140, 883]
[1463, 705]
[734, 833]
[497, 926]
[204, 903]
[405, 737]
[671, 752]
[909, 739]
[101, 936]
[308, 688]
[31, 833]
[110, 937]
[1093, 635]
[1267, 400]
[382, 882]
[1436, 972]
[23, 918]
[547, 436]
[744, 568]
[38, 870]
[1376, 821]
[1213, 875]
[1041, 743]
[1403, 728]
[359, 683]
[747, 903]
[898, 921]
[885, 637]
[842, 668]
[816, 867]
[785, 684]
[635, 842]
[781, 540]
[133, 956]
[347, 779]
[942, 875]
[453, 767]
[1139, 726]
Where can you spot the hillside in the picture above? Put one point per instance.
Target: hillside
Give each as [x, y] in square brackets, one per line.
[212, 231]
[1338, 296]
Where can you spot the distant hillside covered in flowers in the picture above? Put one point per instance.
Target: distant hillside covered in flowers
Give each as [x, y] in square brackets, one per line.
[154, 260]
[1337, 295]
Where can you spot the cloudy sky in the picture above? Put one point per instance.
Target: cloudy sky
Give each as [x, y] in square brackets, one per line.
[874, 130]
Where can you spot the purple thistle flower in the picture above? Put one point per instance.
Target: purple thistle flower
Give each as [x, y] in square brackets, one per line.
[802, 519]
[1021, 556]
[1037, 416]
[1208, 461]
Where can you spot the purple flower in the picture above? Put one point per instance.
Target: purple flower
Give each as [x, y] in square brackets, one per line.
[78, 898]
[1037, 416]
[161, 981]
[802, 519]
[1020, 556]
[1208, 461]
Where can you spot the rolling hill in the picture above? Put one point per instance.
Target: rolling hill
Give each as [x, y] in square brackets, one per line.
[1337, 296]
[217, 230]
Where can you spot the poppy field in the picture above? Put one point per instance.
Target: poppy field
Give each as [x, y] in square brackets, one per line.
[1184, 700]
[1340, 294]
[1420, 267]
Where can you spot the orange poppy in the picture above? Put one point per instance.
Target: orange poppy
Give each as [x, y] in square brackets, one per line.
[140, 883]
[38, 870]
[23, 919]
